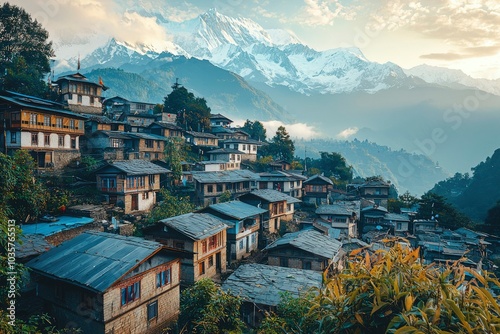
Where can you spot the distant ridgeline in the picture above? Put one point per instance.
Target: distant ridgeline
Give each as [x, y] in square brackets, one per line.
[408, 172]
[474, 195]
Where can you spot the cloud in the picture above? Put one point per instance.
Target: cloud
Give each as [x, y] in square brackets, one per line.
[345, 134]
[322, 12]
[474, 52]
[295, 130]
[462, 23]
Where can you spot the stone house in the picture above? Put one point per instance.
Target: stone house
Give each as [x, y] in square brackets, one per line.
[107, 283]
[80, 94]
[220, 120]
[244, 223]
[248, 147]
[200, 239]
[50, 133]
[287, 183]
[376, 191]
[305, 249]
[230, 158]
[165, 129]
[343, 216]
[132, 184]
[201, 139]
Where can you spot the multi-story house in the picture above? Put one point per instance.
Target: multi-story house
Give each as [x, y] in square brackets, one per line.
[80, 94]
[317, 190]
[230, 158]
[120, 105]
[220, 120]
[107, 283]
[108, 145]
[209, 186]
[201, 139]
[147, 146]
[248, 147]
[244, 223]
[305, 249]
[341, 216]
[287, 183]
[131, 184]
[201, 240]
[50, 133]
[376, 191]
[279, 207]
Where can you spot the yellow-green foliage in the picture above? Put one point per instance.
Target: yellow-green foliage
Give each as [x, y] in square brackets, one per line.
[394, 292]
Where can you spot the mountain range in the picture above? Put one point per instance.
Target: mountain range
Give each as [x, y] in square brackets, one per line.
[247, 72]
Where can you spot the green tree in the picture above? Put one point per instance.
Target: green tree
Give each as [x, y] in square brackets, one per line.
[192, 112]
[225, 197]
[492, 221]
[281, 146]
[393, 292]
[206, 308]
[24, 197]
[176, 151]
[169, 206]
[24, 51]
[433, 205]
[255, 129]
[333, 164]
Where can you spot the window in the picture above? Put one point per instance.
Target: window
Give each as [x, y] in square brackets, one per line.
[152, 310]
[241, 245]
[115, 142]
[254, 148]
[34, 139]
[244, 147]
[399, 226]
[13, 137]
[33, 119]
[203, 246]
[212, 242]
[202, 268]
[283, 262]
[254, 239]
[46, 140]
[107, 183]
[219, 188]
[46, 120]
[79, 99]
[163, 278]
[59, 122]
[71, 123]
[149, 143]
[145, 195]
[91, 100]
[130, 182]
[60, 141]
[131, 293]
[73, 142]
[152, 179]
[306, 265]
[210, 188]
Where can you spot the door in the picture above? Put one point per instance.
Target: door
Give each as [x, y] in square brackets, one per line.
[218, 262]
[135, 202]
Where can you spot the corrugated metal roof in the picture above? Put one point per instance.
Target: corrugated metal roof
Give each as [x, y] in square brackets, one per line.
[263, 284]
[112, 134]
[280, 176]
[201, 134]
[310, 241]
[224, 151]
[137, 167]
[219, 116]
[196, 226]
[397, 217]
[166, 125]
[334, 209]
[272, 195]
[237, 209]
[225, 176]
[243, 141]
[94, 259]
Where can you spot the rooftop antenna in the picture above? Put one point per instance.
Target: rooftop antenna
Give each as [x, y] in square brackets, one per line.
[305, 159]
[78, 66]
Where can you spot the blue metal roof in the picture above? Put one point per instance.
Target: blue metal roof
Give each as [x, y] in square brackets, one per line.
[64, 223]
[272, 195]
[237, 209]
[95, 260]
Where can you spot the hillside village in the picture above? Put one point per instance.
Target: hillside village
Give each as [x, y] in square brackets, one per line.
[101, 263]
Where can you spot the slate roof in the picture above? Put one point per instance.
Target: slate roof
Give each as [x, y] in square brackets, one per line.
[374, 207]
[334, 209]
[243, 141]
[37, 103]
[263, 284]
[112, 134]
[95, 260]
[201, 134]
[237, 209]
[147, 136]
[310, 241]
[225, 176]
[321, 177]
[196, 226]
[78, 77]
[280, 176]
[136, 167]
[166, 125]
[219, 116]
[224, 151]
[272, 195]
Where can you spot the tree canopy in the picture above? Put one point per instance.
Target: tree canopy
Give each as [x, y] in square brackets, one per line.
[255, 129]
[170, 206]
[192, 112]
[433, 205]
[24, 51]
[393, 292]
[280, 147]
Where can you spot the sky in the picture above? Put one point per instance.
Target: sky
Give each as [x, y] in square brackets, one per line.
[458, 34]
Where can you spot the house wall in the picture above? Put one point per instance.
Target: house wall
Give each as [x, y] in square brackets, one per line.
[203, 257]
[133, 318]
[294, 260]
